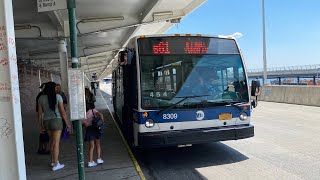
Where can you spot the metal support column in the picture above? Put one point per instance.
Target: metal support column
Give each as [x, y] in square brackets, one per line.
[317, 76]
[279, 78]
[74, 55]
[264, 47]
[12, 164]
[298, 80]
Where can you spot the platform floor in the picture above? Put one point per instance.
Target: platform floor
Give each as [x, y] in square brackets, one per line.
[118, 164]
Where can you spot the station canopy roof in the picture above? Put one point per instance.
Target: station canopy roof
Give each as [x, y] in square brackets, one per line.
[104, 27]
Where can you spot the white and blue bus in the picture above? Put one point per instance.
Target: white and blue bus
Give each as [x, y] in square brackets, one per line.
[177, 90]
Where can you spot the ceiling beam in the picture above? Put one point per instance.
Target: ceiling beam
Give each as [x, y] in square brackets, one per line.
[57, 20]
[147, 10]
[46, 60]
[84, 54]
[106, 73]
[99, 59]
[90, 66]
[97, 63]
[94, 69]
[113, 64]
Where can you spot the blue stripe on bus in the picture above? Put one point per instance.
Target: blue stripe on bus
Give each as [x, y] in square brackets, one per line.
[188, 115]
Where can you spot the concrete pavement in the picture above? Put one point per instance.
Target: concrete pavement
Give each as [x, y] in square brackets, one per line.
[285, 146]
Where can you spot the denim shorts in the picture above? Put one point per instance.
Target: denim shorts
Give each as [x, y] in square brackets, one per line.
[53, 124]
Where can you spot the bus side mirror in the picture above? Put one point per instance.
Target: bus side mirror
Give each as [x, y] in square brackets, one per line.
[253, 87]
[255, 90]
[122, 58]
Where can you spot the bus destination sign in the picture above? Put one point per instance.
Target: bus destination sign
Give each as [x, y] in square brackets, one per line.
[191, 47]
[186, 45]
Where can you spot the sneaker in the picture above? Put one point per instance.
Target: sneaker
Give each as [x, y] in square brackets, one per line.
[92, 164]
[57, 167]
[100, 161]
[52, 164]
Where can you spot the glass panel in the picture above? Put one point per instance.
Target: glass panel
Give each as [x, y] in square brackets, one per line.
[165, 79]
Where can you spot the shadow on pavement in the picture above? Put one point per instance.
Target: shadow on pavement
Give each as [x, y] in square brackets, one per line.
[182, 163]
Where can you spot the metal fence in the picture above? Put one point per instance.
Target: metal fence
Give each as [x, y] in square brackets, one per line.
[287, 68]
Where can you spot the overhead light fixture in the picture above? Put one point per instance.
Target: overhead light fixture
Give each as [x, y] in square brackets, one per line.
[27, 26]
[102, 19]
[98, 46]
[22, 26]
[164, 13]
[177, 20]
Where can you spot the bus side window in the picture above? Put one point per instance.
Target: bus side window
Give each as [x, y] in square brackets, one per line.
[126, 57]
[132, 61]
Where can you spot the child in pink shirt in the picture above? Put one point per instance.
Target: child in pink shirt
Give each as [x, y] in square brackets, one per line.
[92, 136]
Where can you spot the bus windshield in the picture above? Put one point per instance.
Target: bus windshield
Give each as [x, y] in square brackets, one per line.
[208, 78]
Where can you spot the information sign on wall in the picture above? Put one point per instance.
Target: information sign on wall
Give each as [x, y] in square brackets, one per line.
[51, 5]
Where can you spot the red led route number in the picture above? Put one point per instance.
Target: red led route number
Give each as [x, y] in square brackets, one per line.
[161, 48]
[189, 48]
[195, 48]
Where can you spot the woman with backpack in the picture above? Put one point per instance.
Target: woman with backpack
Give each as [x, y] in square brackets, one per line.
[93, 135]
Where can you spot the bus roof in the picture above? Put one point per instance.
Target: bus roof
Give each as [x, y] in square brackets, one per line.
[184, 35]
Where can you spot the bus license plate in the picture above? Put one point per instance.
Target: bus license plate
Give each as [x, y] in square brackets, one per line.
[225, 116]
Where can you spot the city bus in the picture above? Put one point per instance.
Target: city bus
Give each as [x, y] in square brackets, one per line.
[179, 90]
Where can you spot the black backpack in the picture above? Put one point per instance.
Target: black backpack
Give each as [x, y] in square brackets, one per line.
[98, 123]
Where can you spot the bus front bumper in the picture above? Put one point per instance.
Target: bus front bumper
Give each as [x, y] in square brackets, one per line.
[194, 136]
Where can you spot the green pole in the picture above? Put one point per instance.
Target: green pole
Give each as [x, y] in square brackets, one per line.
[74, 56]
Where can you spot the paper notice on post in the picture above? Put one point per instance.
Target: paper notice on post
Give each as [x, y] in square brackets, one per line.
[76, 94]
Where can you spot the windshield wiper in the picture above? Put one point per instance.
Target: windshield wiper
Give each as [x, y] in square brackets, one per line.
[233, 104]
[175, 104]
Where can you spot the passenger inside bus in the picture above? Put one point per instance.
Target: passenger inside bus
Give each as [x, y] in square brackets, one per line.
[195, 85]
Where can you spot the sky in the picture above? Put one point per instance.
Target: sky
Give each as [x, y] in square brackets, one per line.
[292, 29]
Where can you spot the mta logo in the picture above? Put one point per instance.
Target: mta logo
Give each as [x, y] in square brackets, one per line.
[199, 115]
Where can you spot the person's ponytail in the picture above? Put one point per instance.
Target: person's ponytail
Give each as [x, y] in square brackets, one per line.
[50, 91]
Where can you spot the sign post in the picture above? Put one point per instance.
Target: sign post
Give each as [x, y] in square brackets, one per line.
[74, 55]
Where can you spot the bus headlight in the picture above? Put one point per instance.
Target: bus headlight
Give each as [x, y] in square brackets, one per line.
[149, 123]
[243, 116]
